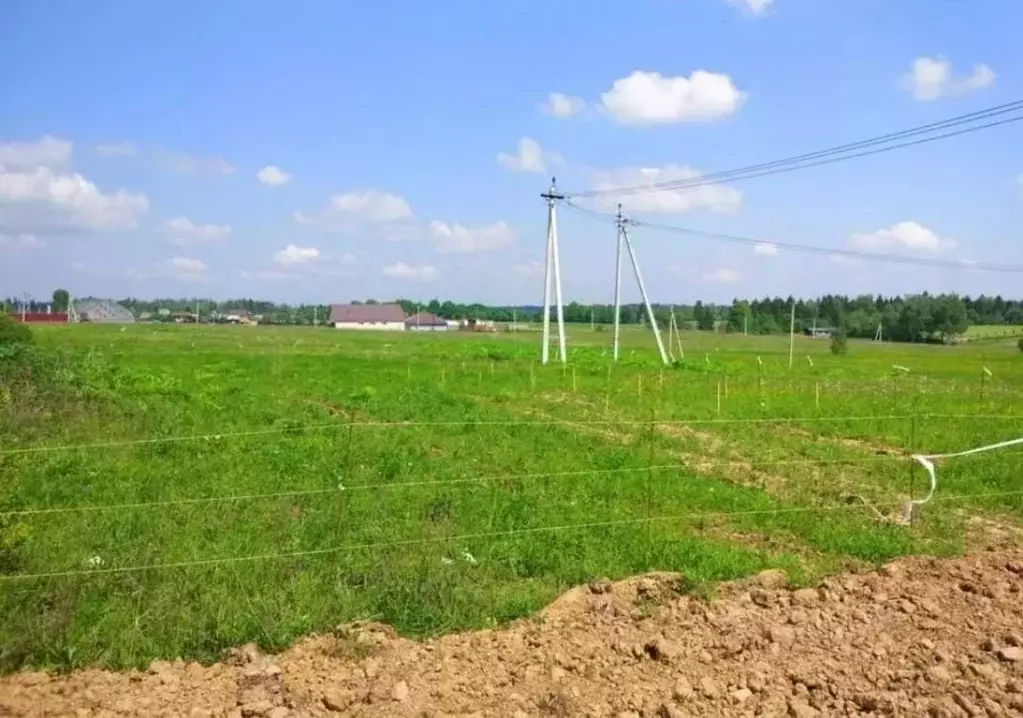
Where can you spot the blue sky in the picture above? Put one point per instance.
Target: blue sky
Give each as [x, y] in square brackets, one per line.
[314, 151]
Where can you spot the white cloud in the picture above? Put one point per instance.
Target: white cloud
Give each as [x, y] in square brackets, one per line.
[458, 239]
[47, 152]
[44, 200]
[188, 164]
[722, 275]
[184, 269]
[651, 98]
[931, 78]
[115, 149]
[529, 158]
[190, 270]
[765, 249]
[293, 254]
[560, 105]
[181, 231]
[756, 7]
[20, 241]
[350, 210]
[295, 262]
[904, 235]
[425, 273]
[273, 176]
[714, 197]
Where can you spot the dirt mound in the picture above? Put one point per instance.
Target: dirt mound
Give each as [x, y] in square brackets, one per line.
[919, 637]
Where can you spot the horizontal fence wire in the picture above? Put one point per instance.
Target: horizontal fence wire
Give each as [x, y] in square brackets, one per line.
[217, 561]
[510, 422]
[893, 455]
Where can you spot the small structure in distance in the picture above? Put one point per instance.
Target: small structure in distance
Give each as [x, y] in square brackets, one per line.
[47, 317]
[426, 322]
[236, 316]
[477, 325]
[376, 317]
[102, 311]
[818, 332]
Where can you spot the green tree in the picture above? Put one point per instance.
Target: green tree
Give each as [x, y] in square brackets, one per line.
[738, 316]
[61, 299]
[704, 317]
[949, 317]
[839, 340]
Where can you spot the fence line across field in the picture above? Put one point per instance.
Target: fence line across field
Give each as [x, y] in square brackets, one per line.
[342, 488]
[225, 560]
[510, 422]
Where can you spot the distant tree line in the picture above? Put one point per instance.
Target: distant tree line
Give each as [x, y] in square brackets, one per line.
[914, 318]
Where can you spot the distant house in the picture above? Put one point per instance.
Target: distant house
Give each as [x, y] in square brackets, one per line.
[185, 317]
[425, 322]
[379, 317]
[236, 316]
[818, 332]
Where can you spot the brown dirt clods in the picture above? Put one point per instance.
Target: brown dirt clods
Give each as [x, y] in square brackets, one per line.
[919, 637]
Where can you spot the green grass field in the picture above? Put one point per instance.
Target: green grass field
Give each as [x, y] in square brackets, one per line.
[208, 486]
[993, 332]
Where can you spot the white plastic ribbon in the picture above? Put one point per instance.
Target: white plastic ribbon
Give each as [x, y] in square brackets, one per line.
[927, 461]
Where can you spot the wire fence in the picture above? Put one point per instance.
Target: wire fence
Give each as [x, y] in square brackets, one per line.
[406, 485]
[695, 464]
[465, 537]
[336, 425]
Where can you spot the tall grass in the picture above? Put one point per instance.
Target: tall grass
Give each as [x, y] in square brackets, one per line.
[222, 485]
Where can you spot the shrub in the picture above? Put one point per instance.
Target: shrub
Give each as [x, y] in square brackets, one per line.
[1020, 344]
[12, 332]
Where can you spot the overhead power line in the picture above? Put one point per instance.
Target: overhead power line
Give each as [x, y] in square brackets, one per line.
[963, 124]
[810, 249]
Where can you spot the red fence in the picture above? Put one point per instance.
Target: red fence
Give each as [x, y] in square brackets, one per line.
[40, 317]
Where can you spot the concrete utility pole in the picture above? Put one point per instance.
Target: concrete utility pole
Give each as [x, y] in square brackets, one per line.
[792, 334]
[624, 235]
[618, 283]
[552, 269]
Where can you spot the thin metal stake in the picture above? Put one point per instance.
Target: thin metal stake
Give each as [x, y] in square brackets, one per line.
[912, 463]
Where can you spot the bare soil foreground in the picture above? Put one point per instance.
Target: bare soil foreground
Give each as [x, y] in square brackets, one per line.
[920, 637]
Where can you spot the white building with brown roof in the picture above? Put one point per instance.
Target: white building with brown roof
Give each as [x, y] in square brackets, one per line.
[378, 317]
[425, 322]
